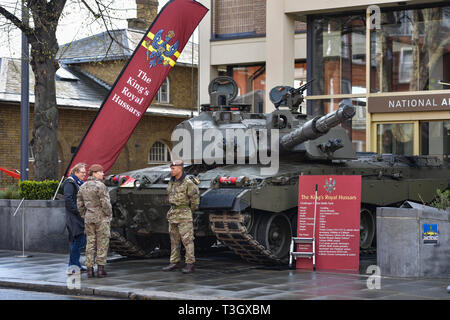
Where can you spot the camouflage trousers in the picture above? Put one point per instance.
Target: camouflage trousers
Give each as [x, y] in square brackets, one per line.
[97, 241]
[184, 232]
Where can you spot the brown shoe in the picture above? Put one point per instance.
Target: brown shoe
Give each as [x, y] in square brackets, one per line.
[90, 272]
[171, 267]
[101, 273]
[189, 268]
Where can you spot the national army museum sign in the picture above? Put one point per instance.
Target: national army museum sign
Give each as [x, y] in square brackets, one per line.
[410, 103]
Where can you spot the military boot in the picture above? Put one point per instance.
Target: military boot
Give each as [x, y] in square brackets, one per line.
[189, 268]
[101, 273]
[171, 267]
[90, 272]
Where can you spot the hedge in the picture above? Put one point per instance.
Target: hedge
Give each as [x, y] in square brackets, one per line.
[38, 190]
[10, 192]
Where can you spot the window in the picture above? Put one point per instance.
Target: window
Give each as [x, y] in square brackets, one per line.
[410, 50]
[159, 152]
[339, 60]
[435, 139]
[163, 93]
[30, 153]
[238, 18]
[251, 82]
[395, 138]
[406, 65]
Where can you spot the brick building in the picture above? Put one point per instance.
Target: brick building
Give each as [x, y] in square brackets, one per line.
[89, 67]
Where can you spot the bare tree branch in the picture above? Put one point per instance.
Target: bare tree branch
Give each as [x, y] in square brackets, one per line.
[17, 22]
[96, 15]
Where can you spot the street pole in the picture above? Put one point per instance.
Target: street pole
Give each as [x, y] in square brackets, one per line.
[24, 101]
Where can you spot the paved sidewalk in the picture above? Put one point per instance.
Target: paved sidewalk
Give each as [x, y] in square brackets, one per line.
[218, 276]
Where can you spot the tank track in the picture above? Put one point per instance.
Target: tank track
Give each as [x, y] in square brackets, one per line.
[126, 248]
[229, 229]
[119, 244]
[370, 250]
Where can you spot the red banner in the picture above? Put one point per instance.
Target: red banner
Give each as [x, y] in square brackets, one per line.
[337, 221]
[10, 173]
[138, 83]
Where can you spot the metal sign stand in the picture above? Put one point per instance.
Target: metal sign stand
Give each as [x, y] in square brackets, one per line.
[23, 230]
[296, 240]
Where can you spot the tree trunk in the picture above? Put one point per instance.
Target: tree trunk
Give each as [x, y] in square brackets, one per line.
[415, 39]
[386, 58]
[45, 119]
[386, 62]
[426, 51]
[43, 61]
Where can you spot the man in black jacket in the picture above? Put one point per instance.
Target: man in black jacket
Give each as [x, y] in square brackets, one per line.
[74, 222]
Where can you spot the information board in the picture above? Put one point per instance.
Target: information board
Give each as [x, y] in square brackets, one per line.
[337, 221]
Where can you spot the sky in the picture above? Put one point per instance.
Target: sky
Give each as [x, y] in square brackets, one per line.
[75, 23]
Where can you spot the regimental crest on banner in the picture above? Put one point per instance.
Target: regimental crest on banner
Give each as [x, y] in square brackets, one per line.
[159, 51]
[330, 185]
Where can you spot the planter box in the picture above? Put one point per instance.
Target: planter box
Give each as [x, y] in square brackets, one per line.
[402, 249]
[45, 226]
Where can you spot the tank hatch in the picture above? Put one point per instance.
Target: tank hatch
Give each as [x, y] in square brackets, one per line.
[222, 91]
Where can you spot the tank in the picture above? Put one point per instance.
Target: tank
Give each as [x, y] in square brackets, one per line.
[247, 166]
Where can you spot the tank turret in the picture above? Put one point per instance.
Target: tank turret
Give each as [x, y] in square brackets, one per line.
[226, 130]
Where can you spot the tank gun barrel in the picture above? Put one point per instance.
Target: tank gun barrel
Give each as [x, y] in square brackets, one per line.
[302, 88]
[318, 126]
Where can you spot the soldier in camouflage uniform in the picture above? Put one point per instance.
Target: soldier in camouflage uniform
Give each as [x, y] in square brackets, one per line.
[95, 207]
[184, 198]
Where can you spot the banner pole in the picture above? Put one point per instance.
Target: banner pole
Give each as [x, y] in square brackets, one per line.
[15, 212]
[315, 209]
[57, 189]
[23, 233]
[314, 232]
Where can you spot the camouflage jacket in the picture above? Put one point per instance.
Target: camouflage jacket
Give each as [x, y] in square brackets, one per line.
[184, 198]
[93, 201]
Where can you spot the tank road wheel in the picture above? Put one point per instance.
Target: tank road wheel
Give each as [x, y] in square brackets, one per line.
[274, 233]
[248, 219]
[120, 216]
[366, 229]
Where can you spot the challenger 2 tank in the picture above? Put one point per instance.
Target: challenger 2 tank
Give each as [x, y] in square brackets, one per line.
[247, 166]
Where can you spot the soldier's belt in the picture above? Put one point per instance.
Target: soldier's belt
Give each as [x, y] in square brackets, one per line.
[180, 207]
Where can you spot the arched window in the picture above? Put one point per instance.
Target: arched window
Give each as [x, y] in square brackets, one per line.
[159, 152]
[162, 96]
